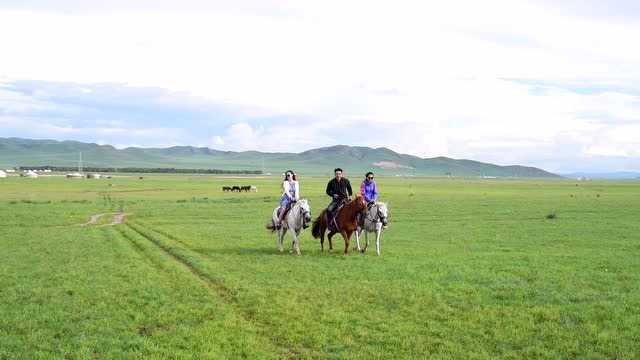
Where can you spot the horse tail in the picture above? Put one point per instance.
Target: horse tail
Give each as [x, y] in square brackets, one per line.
[316, 229]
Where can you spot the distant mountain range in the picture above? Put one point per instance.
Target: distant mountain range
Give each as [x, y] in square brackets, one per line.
[15, 152]
[620, 175]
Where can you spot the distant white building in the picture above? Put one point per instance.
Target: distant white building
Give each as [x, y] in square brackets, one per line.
[94, 176]
[10, 171]
[75, 175]
[31, 174]
[3, 174]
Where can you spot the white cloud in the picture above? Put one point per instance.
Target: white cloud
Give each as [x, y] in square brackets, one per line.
[287, 137]
[605, 150]
[419, 77]
[36, 128]
[217, 141]
[242, 136]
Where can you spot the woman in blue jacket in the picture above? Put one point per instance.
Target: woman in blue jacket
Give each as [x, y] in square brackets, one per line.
[369, 189]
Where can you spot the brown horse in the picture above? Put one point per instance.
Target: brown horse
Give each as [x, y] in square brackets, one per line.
[346, 219]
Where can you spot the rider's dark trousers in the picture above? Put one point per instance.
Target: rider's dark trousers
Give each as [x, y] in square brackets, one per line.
[332, 207]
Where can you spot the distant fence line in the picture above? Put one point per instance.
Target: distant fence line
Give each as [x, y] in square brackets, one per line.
[143, 170]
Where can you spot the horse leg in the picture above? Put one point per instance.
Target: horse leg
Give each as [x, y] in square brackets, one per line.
[366, 240]
[323, 228]
[378, 234]
[279, 240]
[347, 236]
[329, 237]
[283, 231]
[296, 242]
[358, 232]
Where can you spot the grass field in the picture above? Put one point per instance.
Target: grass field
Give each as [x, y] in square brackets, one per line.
[469, 269]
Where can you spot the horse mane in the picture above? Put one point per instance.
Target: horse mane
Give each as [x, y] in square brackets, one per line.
[352, 206]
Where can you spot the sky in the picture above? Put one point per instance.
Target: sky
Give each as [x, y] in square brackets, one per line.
[551, 84]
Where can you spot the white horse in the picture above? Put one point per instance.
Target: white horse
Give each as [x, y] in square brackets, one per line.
[376, 220]
[298, 217]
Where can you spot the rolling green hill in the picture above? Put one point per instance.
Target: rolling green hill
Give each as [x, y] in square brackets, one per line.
[15, 152]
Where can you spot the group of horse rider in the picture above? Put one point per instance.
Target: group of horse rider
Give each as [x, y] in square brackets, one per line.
[338, 189]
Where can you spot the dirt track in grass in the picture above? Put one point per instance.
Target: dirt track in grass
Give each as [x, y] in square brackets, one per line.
[118, 218]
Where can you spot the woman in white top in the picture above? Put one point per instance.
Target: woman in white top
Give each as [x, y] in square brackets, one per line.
[290, 194]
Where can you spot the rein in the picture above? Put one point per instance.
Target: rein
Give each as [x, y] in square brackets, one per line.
[301, 213]
[352, 207]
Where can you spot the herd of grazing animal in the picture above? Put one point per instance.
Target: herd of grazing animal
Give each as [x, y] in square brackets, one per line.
[235, 188]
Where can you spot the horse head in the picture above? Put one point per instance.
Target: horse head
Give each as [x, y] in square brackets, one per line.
[383, 213]
[305, 211]
[361, 204]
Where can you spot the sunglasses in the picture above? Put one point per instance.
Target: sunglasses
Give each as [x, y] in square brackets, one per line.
[370, 178]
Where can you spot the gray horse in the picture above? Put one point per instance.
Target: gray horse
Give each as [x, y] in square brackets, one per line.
[298, 217]
[376, 220]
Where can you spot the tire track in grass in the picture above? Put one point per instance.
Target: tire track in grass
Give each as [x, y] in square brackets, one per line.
[137, 247]
[155, 262]
[217, 286]
[167, 235]
[178, 240]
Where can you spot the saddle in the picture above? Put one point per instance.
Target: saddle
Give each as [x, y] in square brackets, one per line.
[332, 224]
[281, 213]
[360, 215]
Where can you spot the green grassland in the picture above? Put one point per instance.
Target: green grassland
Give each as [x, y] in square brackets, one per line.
[469, 269]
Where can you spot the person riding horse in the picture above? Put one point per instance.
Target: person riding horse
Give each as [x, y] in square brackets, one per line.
[339, 189]
[290, 194]
[369, 190]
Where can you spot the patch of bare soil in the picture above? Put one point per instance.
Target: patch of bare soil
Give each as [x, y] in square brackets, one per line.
[118, 218]
[93, 220]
